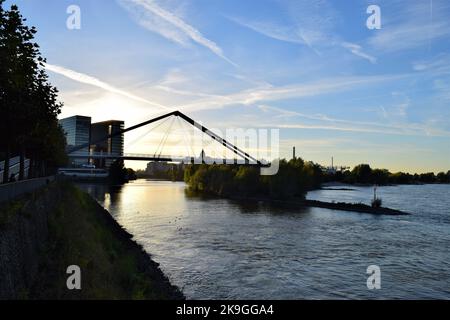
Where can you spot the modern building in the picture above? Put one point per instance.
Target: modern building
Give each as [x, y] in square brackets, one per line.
[113, 145]
[78, 132]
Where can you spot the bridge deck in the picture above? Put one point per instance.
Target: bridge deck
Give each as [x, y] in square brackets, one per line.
[153, 158]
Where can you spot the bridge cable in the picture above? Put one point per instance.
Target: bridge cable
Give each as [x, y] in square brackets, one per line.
[156, 151]
[185, 133]
[163, 141]
[237, 151]
[167, 136]
[187, 145]
[147, 132]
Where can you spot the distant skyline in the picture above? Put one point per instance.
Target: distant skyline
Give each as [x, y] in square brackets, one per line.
[309, 68]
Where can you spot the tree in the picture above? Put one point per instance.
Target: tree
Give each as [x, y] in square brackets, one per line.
[380, 176]
[443, 177]
[293, 180]
[401, 178]
[247, 180]
[362, 173]
[4, 144]
[117, 172]
[28, 102]
[427, 177]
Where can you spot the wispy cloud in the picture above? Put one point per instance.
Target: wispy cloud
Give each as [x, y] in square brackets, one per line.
[412, 25]
[271, 30]
[291, 34]
[409, 35]
[292, 120]
[175, 82]
[287, 119]
[261, 94]
[86, 79]
[436, 71]
[156, 19]
[311, 24]
[357, 51]
[437, 65]
[320, 121]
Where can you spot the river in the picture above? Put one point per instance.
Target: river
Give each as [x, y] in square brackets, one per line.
[222, 249]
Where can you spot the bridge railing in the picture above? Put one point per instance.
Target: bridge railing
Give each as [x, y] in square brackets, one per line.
[14, 167]
[164, 158]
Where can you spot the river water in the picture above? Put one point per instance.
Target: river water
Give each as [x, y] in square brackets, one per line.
[222, 249]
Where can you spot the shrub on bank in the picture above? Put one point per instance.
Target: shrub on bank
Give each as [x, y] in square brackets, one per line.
[294, 179]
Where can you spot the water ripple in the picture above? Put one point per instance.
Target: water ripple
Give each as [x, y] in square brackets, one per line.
[226, 250]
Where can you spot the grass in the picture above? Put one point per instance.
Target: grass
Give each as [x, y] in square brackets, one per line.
[112, 267]
[9, 210]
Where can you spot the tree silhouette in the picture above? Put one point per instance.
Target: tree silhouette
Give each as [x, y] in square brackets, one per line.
[28, 102]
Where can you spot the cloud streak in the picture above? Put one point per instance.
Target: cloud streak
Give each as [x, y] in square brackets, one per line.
[357, 51]
[261, 94]
[419, 24]
[89, 80]
[293, 35]
[287, 119]
[327, 123]
[179, 28]
[312, 25]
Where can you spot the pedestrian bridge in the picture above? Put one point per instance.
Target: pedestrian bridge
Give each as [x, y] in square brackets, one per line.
[240, 157]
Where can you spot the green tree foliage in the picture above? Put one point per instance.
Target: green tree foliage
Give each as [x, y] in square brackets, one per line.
[427, 177]
[293, 180]
[363, 174]
[117, 172]
[380, 176]
[28, 102]
[166, 171]
[442, 177]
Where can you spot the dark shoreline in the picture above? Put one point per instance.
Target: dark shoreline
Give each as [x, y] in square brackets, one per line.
[44, 232]
[303, 203]
[354, 207]
[145, 262]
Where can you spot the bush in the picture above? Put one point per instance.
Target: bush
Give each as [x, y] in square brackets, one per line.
[293, 180]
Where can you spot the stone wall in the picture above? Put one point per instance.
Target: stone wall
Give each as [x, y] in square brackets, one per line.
[23, 236]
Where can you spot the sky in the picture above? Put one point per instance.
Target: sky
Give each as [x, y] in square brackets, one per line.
[311, 69]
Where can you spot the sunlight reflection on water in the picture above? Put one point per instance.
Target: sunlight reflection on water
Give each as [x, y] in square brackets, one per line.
[215, 248]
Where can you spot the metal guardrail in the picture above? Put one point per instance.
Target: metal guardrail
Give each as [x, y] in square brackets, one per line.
[14, 167]
[163, 158]
[13, 190]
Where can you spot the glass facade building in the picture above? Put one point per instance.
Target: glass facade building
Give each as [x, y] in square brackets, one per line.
[78, 132]
[112, 145]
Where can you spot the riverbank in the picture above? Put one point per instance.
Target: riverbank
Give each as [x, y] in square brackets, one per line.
[58, 226]
[353, 207]
[303, 203]
[223, 249]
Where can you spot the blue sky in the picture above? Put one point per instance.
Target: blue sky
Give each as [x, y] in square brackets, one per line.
[309, 68]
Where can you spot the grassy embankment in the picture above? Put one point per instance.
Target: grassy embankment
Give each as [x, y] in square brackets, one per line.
[80, 232]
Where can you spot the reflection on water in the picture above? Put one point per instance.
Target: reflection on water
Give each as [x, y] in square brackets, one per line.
[216, 248]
